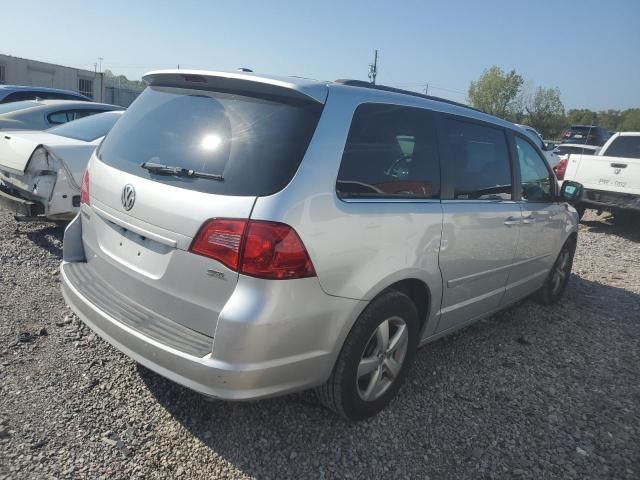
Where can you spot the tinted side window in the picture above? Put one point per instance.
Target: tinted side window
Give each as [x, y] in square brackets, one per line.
[58, 118]
[391, 152]
[625, 146]
[55, 96]
[18, 97]
[535, 177]
[478, 161]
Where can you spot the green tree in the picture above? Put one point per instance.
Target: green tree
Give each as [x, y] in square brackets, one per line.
[582, 116]
[630, 120]
[112, 80]
[545, 111]
[611, 119]
[497, 93]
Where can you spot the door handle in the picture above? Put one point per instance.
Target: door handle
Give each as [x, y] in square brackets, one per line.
[529, 220]
[512, 221]
[614, 165]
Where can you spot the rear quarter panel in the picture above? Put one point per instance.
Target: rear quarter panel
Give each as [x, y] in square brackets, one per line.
[357, 248]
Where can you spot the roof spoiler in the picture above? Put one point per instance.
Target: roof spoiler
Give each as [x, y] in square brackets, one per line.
[240, 81]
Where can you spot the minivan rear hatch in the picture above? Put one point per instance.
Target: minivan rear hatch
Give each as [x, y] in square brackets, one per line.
[192, 147]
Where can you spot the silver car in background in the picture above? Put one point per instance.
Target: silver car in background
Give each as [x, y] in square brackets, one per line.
[44, 114]
[248, 236]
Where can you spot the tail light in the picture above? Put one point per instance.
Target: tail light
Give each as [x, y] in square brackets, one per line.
[561, 168]
[220, 239]
[84, 191]
[257, 248]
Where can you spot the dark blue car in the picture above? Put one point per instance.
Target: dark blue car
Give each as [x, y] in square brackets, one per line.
[16, 93]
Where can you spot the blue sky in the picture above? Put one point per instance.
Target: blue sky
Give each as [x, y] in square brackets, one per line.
[589, 49]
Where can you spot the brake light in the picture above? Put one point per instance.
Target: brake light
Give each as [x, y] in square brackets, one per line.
[257, 248]
[274, 250]
[561, 168]
[84, 191]
[221, 240]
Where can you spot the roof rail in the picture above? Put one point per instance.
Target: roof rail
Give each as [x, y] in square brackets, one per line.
[363, 84]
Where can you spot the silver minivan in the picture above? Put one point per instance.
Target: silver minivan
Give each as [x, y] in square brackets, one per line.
[247, 236]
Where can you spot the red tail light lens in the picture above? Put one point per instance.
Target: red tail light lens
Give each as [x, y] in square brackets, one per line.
[561, 168]
[274, 250]
[221, 240]
[84, 191]
[261, 249]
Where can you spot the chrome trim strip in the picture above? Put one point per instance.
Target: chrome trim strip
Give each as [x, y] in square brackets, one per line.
[140, 231]
[388, 200]
[474, 276]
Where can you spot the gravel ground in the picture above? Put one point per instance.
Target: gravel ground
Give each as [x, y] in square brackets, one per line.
[533, 392]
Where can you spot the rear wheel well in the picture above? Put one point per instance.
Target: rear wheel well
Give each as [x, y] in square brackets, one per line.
[419, 294]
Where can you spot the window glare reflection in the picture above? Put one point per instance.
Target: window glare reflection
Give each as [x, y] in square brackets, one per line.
[210, 142]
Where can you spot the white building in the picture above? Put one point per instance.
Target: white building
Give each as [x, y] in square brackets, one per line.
[22, 71]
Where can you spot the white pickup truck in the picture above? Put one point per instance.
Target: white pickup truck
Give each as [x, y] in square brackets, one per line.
[611, 178]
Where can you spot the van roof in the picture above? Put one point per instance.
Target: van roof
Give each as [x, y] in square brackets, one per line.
[299, 87]
[296, 87]
[363, 84]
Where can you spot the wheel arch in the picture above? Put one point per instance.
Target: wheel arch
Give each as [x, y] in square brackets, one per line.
[419, 293]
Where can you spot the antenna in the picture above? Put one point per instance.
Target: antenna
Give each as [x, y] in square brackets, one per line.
[373, 68]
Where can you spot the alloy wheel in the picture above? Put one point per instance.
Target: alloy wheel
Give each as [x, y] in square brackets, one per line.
[382, 358]
[561, 271]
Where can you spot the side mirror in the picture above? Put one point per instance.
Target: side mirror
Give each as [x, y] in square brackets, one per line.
[571, 191]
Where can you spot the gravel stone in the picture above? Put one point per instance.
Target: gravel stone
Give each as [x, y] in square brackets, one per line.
[532, 392]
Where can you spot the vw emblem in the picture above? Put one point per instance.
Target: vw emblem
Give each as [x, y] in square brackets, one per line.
[128, 197]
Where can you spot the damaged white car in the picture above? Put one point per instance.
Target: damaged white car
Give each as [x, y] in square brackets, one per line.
[41, 171]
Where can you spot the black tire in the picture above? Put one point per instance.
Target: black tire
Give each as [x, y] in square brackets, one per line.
[342, 393]
[551, 291]
[625, 216]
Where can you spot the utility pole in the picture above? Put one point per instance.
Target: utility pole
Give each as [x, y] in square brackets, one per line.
[426, 89]
[101, 78]
[373, 68]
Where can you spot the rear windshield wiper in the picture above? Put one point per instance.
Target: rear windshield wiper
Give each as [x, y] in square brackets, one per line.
[179, 171]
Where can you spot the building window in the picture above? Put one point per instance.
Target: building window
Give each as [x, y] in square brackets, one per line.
[2, 72]
[85, 87]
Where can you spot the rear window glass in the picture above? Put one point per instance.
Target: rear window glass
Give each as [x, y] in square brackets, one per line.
[563, 150]
[15, 106]
[581, 129]
[626, 146]
[88, 129]
[256, 144]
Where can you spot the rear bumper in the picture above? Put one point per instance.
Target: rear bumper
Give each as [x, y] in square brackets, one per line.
[271, 337]
[18, 205]
[207, 374]
[610, 200]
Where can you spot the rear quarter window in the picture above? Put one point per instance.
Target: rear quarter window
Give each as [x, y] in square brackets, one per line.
[255, 143]
[391, 152]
